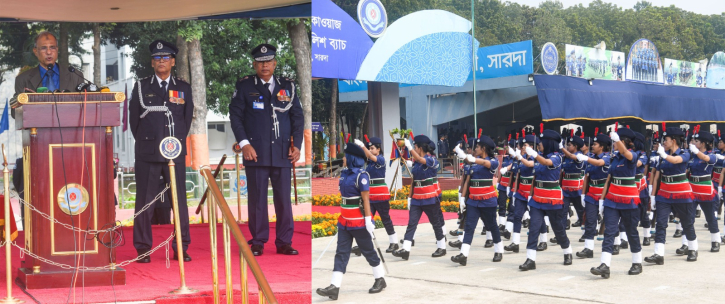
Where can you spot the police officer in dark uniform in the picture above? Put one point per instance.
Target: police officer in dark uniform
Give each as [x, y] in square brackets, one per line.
[161, 106]
[265, 112]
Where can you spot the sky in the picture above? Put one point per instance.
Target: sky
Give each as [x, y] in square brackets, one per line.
[705, 7]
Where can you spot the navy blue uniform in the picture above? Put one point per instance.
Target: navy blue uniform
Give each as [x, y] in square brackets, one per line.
[573, 170]
[376, 169]
[705, 193]
[547, 200]
[485, 208]
[621, 203]
[669, 201]
[430, 205]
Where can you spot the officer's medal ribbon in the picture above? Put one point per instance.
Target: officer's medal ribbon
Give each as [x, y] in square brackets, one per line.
[283, 95]
[176, 97]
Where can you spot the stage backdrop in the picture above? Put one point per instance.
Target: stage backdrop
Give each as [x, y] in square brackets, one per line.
[716, 71]
[589, 62]
[643, 63]
[504, 60]
[684, 73]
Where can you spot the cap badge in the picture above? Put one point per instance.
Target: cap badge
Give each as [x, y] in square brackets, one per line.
[159, 46]
[263, 49]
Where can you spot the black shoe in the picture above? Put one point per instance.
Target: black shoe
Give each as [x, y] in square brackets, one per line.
[483, 232]
[501, 227]
[438, 253]
[678, 233]
[567, 259]
[460, 259]
[402, 253]
[456, 232]
[378, 286]
[489, 244]
[568, 225]
[645, 241]
[392, 247]
[715, 247]
[682, 250]
[356, 251]
[542, 246]
[706, 225]
[497, 257]
[287, 250]
[602, 270]
[691, 255]
[528, 265]
[624, 245]
[329, 291]
[655, 258]
[455, 244]
[525, 223]
[586, 253]
[553, 240]
[412, 243]
[187, 258]
[571, 212]
[698, 213]
[145, 260]
[672, 218]
[635, 269]
[257, 250]
[578, 223]
[512, 247]
[615, 250]
[506, 234]
[581, 240]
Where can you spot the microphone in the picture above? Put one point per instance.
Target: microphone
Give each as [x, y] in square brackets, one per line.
[50, 70]
[90, 86]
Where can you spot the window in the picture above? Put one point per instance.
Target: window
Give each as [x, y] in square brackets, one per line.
[217, 135]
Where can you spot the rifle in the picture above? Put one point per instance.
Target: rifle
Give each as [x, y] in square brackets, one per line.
[294, 172]
[216, 173]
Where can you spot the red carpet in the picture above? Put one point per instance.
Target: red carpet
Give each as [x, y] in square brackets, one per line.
[399, 217]
[289, 276]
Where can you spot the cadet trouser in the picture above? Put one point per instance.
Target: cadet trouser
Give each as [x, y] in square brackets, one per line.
[629, 218]
[258, 179]
[643, 216]
[488, 216]
[520, 207]
[151, 178]
[565, 209]
[502, 198]
[535, 227]
[684, 211]
[462, 219]
[709, 209]
[383, 208]
[344, 244]
[434, 214]
[591, 212]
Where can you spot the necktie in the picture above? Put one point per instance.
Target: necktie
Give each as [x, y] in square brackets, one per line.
[163, 85]
[266, 86]
[51, 80]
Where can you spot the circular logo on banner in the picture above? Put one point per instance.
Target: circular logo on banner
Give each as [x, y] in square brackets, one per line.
[73, 200]
[170, 147]
[372, 16]
[549, 58]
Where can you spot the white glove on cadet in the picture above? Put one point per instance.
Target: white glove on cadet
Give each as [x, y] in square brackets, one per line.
[409, 203]
[561, 146]
[530, 151]
[614, 136]
[359, 143]
[512, 152]
[459, 152]
[718, 156]
[408, 145]
[653, 202]
[694, 149]
[661, 152]
[470, 158]
[601, 207]
[409, 163]
[518, 154]
[719, 192]
[461, 203]
[369, 225]
[582, 157]
[504, 170]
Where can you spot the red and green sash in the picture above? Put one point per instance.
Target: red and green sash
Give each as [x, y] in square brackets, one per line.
[379, 190]
[350, 213]
[505, 179]
[481, 189]
[675, 187]
[702, 188]
[525, 185]
[572, 182]
[624, 190]
[426, 188]
[548, 192]
[596, 186]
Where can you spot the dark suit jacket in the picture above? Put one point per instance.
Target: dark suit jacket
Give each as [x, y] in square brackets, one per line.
[31, 79]
[150, 130]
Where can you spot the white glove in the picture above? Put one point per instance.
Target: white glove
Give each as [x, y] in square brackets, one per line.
[461, 203]
[504, 170]
[530, 151]
[408, 145]
[409, 163]
[653, 202]
[614, 136]
[359, 143]
[459, 152]
[518, 155]
[470, 158]
[508, 190]
[719, 156]
[369, 225]
[582, 157]
[583, 195]
[601, 207]
[561, 146]
[655, 158]
[719, 191]
[661, 152]
[649, 188]
[512, 152]
[694, 149]
[409, 203]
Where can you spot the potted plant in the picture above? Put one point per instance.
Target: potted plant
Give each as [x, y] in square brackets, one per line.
[400, 135]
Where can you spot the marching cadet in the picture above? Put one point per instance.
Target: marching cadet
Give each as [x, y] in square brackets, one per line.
[524, 179]
[161, 106]
[265, 114]
[654, 163]
[673, 194]
[644, 198]
[597, 172]
[355, 222]
[546, 198]
[505, 226]
[620, 199]
[481, 202]
[461, 200]
[425, 196]
[379, 195]
[717, 174]
[512, 171]
[572, 181]
[701, 182]
[586, 144]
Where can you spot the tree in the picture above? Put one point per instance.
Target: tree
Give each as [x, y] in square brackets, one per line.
[300, 36]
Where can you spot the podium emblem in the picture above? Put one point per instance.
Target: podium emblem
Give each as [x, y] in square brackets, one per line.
[170, 147]
[73, 199]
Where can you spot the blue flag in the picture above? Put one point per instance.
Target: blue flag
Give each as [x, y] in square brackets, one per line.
[5, 121]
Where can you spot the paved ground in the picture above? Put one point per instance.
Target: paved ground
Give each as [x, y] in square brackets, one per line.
[423, 279]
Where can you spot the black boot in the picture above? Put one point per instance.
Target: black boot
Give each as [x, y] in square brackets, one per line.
[456, 232]
[455, 244]
[624, 245]
[489, 244]
[506, 234]
[645, 241]
[615, 250]
[581, 239]
[602, 270]
[501, 227]
[698, 213]
[378, 286]
[568, 224]
[512, 247]
[672, 218]
[438, 253]
[715, 247]
[655, 258]
[553, 240]
[402, 253]
[706, 225]
[483, 232]
[578, 223]
[542, 246]
[392, 247]
[460, 259]
[356, 250]
[528, 265]
[497, 257]
[525, 223]
[678, 233]
[682, 250]
[691, 255]
[329, 291]
[586, 253]
[567, 259]
[635, 269]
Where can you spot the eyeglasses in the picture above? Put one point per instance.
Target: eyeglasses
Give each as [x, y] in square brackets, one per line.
[48, 48]
[159, 58]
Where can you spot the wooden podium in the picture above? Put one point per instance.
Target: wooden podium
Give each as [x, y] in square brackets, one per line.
[68, 168]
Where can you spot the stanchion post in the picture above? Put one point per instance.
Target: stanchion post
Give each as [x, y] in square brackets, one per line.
[228, 261]
[183, 289]
[239, 191]
[8, 243]
[245, 287]
[211, 208]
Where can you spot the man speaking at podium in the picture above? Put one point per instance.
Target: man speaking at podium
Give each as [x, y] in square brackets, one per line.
[48, 73]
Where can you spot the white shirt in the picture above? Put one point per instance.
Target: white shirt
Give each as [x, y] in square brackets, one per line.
[160, 80]
[271, 90]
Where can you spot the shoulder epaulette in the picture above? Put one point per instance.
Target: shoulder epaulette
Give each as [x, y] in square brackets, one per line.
[181, 79]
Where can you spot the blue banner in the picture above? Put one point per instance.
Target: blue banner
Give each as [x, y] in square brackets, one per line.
[316, 127]
[572, 98]
[504, 60]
